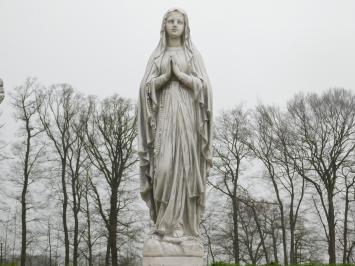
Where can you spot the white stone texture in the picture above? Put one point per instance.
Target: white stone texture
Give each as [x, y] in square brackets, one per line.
[161, 253]
[175, 144]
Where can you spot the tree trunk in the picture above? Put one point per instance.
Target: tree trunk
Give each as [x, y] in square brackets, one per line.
[256, 219]
[346, 252]
[76, 222]
[345, 229]
[331, 228]
[23, 196]
[274, 244]
[64, 218]
[107, 257]
[24, 229]
[88, 222]
[293, 259]
[210, 248]
[284, 241]
[113, 225]
[235, 231]
[292, 231]
[283, 226]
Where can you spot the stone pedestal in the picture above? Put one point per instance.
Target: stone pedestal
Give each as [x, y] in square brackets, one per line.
[158, 252]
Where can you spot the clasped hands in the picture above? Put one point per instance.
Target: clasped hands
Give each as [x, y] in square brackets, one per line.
[173, 70]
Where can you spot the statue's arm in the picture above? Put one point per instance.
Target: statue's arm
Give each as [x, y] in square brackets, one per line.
[160, 81]
[188, 80]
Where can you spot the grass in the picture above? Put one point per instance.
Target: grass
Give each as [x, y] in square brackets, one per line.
[221, 263]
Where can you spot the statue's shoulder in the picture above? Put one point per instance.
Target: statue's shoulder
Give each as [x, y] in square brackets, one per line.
[196, 54]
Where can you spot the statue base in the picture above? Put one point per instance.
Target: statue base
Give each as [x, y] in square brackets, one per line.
[162, 252]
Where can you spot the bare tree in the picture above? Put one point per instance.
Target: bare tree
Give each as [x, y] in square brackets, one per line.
[86, 210]
[252, 236]
[220, 231]
[110, 136]
[208, 226]
[263, 148]
[57, 108]
[274, 147]
[77, 169]
[324, 130]
[5, 222]
[231, 147]
[49, 237]
[27, 152]
[272, 218]
[308, 242]
[264, 215]
[348, 175]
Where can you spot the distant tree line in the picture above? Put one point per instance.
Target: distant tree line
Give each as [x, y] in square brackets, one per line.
[70, 170]
[305, 210]
[282, 188]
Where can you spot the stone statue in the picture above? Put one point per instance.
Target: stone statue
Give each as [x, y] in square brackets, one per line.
[2, 92]
[174, 129]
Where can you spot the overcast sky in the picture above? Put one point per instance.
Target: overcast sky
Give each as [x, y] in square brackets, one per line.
[253, 50]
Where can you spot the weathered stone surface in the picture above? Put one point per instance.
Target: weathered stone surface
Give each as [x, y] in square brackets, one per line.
[174, 136]
[189, 248]
[174, 130]
[2, 92]
[158, 252]
[172, 261]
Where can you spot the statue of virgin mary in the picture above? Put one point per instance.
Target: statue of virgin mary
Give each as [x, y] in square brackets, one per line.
[174, 129]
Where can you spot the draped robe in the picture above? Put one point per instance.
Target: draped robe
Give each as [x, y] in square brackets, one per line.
[174, 134]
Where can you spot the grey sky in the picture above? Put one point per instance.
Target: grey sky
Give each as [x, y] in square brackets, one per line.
[253, 50]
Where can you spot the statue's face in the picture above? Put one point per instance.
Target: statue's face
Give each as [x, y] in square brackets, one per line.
[175, 24]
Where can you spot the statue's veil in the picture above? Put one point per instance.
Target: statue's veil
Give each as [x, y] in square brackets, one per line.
[147, 105]
[162, 45]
